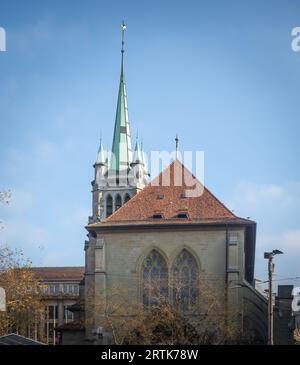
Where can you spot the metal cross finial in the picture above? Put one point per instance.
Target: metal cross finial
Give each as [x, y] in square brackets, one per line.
[177, 141]
[123, 27]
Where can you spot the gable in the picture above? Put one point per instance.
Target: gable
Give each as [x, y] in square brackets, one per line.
[174, 193]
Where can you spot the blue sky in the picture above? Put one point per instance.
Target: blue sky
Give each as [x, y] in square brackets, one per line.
[220, 74]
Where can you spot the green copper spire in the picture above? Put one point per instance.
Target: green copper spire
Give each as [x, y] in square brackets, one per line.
[100, 157]
[121, 148]
[137, 155]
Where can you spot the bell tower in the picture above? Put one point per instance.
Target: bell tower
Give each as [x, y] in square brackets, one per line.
[119, 174]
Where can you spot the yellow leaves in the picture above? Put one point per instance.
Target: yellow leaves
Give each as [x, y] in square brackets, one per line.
[23, 291]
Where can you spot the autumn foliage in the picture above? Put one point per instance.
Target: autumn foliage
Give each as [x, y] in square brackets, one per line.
[23, 293]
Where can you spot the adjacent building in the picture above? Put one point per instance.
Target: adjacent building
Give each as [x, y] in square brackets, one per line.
[61, 292]
[283, 321]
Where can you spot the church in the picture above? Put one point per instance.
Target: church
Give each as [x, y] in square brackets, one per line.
[143, 232]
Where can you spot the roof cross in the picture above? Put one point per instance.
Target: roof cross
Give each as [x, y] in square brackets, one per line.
[177, 142]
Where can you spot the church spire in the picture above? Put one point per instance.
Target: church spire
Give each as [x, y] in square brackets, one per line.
[100, 157]
[121, 148]
[137, 156]
[123, 27]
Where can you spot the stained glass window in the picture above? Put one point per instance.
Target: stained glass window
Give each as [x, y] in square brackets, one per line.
[155, 278]
[185, 274]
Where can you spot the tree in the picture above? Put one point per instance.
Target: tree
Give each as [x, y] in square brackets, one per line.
[23, 291]
[24, 306]
[168, 320]
[165, 325]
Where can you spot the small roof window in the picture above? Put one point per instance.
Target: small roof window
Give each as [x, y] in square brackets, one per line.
[182, 215]
[158, 216]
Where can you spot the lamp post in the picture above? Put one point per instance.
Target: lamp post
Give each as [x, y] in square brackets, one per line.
[269, 256]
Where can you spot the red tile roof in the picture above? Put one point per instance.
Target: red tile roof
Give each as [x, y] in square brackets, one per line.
[172, 199]
[72, 273]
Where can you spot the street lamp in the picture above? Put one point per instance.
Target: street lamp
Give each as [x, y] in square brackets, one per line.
[269, 256]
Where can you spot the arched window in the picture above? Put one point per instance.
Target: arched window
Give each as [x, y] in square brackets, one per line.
[118, 201]
[109, 205]
[155, 279]
[185, 274]
[127, 197]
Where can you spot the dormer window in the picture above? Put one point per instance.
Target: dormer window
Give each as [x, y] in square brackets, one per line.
[182, 215]
[158, 216]
[160, 196]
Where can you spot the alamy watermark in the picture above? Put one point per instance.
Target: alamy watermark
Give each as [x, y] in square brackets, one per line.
[2, 39]
[138, 173]
[296, 41]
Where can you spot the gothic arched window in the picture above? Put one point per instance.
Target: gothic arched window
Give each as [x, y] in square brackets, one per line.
[118, 201]
[109, 205]
[185, 274]
[155, 278]
[127, 197]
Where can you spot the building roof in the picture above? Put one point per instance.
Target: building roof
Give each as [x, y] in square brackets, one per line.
[170, 199]
[59, 273]
[14, 339]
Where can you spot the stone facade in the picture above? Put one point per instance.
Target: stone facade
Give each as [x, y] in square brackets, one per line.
[114, 259]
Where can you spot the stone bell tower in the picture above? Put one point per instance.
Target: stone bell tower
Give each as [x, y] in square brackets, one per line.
[121, 173]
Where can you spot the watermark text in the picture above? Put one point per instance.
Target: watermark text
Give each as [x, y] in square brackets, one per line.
[296, 40]
[2, 39]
